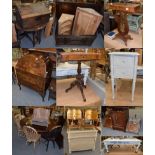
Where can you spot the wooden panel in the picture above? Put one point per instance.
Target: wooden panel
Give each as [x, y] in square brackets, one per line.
[86, 21]
[36, 21]
[14, 34]
[120, 118]
[32, 64]
[45, 50]
[49, 27]
[65, 24]
[33, 10]
[126, 7]
[75, 56]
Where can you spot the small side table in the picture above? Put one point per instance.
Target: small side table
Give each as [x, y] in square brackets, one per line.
[122, 23]
[123, 65]
[79, 57]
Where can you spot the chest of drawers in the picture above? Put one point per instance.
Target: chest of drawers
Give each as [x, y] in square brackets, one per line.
[34, 71]
[82, 139]
[123, 65]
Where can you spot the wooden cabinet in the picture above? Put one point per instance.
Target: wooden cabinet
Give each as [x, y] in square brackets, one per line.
[120, 118]
[82, 139]
[34, 71]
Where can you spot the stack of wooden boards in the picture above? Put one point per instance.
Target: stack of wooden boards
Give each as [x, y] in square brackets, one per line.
[86, 22]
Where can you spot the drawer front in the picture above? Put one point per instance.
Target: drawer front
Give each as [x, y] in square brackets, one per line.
[82, 144]
[82, 134]
[35, 21]
[123, 72]
[79, 56]
[123, 66]
[31, 80]
[123, 61]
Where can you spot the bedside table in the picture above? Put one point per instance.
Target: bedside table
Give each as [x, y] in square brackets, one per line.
[123, 65]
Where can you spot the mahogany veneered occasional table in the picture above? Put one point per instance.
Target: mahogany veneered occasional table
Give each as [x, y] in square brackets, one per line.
[79, 57]
[123, 9]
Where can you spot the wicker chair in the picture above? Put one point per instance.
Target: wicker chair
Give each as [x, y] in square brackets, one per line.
[31, 135]
[17, 119]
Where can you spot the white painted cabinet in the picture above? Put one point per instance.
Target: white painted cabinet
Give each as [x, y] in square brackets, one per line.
[81, 139]
[123, 65]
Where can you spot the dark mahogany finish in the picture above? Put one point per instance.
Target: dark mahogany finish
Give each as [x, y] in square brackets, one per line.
[34, 71]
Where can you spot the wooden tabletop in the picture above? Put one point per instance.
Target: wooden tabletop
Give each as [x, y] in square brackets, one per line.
[33, 10]
[45, 50]
[79, 56]
[125, 7]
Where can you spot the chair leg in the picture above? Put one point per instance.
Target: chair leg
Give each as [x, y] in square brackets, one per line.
[53, 143]
[34, 145]
[33, 33]
[47, 146]
[39, 36]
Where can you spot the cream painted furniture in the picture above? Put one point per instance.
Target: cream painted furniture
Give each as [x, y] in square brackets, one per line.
[65, 69]
[82, 139]
[123, 65]
[125, 141]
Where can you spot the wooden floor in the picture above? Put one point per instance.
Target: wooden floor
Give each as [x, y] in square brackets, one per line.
[123, 150]
[123, 93]
[74, 97]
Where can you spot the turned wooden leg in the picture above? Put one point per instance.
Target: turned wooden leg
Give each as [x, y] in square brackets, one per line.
[47, 146]
[71, 86]
[33, 38]
[19, 86]
[133, 88]
[81, 89]
[113, 88]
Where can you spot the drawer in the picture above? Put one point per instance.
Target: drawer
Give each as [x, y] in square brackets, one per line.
[82, 144]
[124, 72]
[80, 56]
[123, 61]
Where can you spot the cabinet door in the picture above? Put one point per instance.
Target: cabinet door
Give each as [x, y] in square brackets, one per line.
[119, 120]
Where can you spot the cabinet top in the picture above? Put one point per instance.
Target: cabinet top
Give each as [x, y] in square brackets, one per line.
[124, 53]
